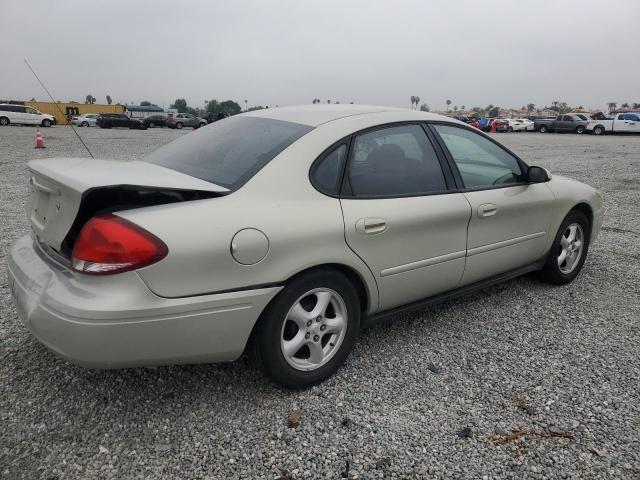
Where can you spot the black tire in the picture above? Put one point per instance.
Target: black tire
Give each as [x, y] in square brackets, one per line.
[267, 346]
[202, 124]
[580, 129]
[598, 130]
[151, 124]
[4, 121]
[551, 271]
[510, 129]
[84, 124]
[179, 125]
[46, 123]
[543, 129]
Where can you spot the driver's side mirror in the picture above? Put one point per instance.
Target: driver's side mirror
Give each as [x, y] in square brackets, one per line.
[537, 175]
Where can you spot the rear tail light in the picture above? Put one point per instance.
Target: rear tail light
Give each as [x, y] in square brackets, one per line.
[110, 244]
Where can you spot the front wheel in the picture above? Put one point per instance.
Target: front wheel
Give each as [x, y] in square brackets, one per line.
[46, 123]
[308, 330]
[179, 126]
[510, 129]
[4, 121]
[580, 129]
[543, 129]
[569, 250]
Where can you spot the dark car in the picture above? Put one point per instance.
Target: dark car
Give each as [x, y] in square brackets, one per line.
[211, 117]
[109, 120]
[501, 125]
[155, 121]
[568, 122]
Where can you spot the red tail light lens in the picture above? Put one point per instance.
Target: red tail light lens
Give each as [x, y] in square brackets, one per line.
[109, 244]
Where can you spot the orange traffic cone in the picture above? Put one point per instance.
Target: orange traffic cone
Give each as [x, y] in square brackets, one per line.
[39, 139]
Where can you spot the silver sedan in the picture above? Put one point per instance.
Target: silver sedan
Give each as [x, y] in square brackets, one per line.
[284, 230]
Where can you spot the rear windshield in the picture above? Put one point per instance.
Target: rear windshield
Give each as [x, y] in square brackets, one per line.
[228, 152]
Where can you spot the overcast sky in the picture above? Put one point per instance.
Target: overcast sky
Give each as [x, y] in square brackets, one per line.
[475, 52]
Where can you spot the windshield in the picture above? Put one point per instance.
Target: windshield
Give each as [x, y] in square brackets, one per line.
[230, 151]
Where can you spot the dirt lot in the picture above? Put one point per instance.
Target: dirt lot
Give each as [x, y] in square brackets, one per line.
[546, 379]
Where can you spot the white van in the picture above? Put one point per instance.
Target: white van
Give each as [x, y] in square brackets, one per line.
[20, 114]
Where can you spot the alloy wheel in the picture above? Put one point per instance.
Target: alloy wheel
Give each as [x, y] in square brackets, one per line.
[571, 247]
[314, 329]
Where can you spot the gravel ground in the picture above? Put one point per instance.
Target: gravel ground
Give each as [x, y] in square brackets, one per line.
[421, 396]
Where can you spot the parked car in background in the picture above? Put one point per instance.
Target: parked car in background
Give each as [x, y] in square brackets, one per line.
[568, 122]
[155, 121]
[181, 257]
[181, 120]
[110, 120]
[484, 124]
[211, 117]
[527, 124]
[500, 124]
[515, 125]
[622, 123]
[23, 115]
[86, 120]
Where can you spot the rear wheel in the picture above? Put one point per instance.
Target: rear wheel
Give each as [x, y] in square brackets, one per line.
[84, 124]
[4, 121]
[179, 125]
[510, 129]
[308, 330]
[46, 122]
[569, 250]
[543, 129]
[598, 130]
[151, 124]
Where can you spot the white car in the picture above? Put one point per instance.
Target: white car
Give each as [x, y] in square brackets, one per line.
[23, 115]
[86, 120]
[519, 124]
[628, 122]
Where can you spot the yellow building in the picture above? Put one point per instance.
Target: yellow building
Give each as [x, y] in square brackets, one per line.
[64, 111]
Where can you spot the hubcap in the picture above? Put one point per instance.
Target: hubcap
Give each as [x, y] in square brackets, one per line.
[571, 247]
[314, 329]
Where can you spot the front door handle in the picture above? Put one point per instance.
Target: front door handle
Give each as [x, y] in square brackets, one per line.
[371, 226]
[487, 210]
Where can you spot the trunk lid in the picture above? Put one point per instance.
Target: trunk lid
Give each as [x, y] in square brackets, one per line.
[60, 188]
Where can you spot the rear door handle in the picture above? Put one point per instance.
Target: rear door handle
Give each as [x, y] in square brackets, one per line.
[487, 210]
[371, 226]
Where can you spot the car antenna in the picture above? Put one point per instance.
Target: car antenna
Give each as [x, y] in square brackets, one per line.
[58, 107]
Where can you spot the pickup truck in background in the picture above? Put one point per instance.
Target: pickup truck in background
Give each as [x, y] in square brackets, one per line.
[621, 123]
[568, 122]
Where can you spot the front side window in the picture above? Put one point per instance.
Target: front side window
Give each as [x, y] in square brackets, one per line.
[481, 162]
[230, 151]
[31, 110]
[394, 161]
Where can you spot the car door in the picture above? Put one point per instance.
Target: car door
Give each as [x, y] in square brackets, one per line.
[510, 218]
[400, 215]
[32, 116]
[634, 122]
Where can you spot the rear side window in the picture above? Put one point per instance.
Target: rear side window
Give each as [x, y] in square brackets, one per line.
[229, 152]
[326, 174]
[394, 161]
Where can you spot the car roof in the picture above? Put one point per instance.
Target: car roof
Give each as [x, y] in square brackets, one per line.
[314, 115]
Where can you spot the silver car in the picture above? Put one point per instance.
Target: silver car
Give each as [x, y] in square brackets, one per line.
[286, 230]
[86, 120]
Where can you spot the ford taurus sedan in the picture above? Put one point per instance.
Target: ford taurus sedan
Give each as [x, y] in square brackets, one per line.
[286, 230]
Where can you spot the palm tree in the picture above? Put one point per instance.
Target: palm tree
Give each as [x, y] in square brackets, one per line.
[413, 101]
[625, 106]
[245, 104]
[417, 101]
[636, 106]
[448, 102]
[463, 108]
[531, 107]
[555, 105]
[455, 108]
[612, 106]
